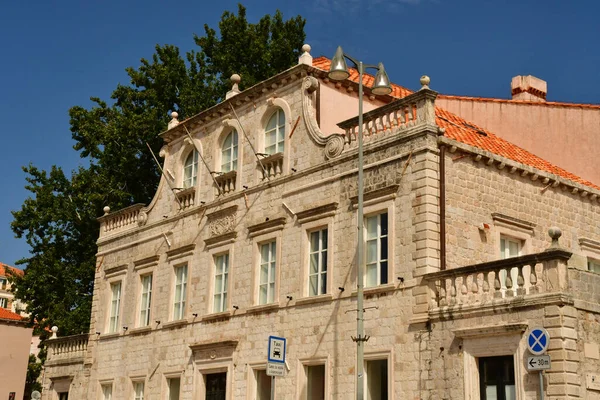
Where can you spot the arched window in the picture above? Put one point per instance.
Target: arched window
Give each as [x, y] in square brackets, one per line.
[229, 152]
[190, 170]
[275, 133]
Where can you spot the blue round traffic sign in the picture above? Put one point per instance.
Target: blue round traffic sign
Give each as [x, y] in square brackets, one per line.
[538, 340]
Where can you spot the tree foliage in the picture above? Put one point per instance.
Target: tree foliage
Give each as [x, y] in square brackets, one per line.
[59, 219]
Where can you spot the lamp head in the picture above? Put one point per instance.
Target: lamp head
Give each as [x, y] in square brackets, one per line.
[338, 70]
[381, 85]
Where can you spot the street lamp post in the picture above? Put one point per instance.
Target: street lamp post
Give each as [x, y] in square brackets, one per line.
[381, 86]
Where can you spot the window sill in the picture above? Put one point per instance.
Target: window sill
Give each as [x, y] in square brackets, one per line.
[140, 330]
[175, 324]
[388, 287]
[314, 299]
[106, 336]
[262, 308]
[216, 316]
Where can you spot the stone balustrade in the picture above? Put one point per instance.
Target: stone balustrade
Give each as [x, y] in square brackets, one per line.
[415, 109]
[67, 349]
[226, 182]
[273, 165]
[186, 197]
[121, 220]
[544, 272]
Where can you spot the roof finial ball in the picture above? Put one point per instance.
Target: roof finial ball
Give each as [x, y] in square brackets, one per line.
[106, 210]
[54, 330]
[424, 82]
[305, 58]
[555, 233]
[174, 121]
[235, 80]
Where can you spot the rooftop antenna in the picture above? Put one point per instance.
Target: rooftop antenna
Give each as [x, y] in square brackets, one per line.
[202, 158]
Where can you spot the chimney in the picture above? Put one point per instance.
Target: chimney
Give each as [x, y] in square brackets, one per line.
[528, 88]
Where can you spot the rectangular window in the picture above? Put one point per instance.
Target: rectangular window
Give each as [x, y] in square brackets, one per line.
[3, 283]
[377, 250]
[3, 302]
[509, 247]
[268, 262]
[180, 292]
[115, 307]
[221, 280]
[376, 372]
[263, 384]
[594, 266]
[138, 389]
[216, 386]
[317, 274]
[145, 300]
[174, 385]
[497, 378]
[107, 392]
[315, 382]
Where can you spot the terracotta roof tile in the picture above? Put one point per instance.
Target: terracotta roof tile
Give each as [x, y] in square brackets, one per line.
[469, 133]
[6, 314]
[4, 267]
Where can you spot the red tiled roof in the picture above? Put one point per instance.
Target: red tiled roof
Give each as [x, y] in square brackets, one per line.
[525, 102]
[459, 129]
[6, 314]
[4, 267]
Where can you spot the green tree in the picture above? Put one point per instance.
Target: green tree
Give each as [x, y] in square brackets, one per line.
[59, 219]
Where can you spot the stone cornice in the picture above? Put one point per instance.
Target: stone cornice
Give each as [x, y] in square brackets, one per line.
[267, 226]
[589, 244]
[313, 213]
[512, 221]
[182, 251]
[211, 345]
[491, 330]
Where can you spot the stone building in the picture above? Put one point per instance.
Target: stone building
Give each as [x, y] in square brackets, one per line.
[252, 232]
[7, 297]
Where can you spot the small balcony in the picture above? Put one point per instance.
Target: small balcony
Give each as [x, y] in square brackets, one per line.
[271, 166]
[532, 279]
[226, 182]
[122, 220]
[186, 197]
[67, 350]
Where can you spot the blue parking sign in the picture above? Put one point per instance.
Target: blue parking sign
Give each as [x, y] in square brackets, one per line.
[538, 340]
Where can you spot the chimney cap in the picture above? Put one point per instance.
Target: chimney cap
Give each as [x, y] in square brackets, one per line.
[528, 88]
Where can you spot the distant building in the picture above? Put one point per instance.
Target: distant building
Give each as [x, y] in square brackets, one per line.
[7, 297]
[461, 257]
[15, 339]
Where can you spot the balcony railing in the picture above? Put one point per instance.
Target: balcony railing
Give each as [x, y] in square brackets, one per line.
[273, 165]
[544, 272]
[121, 220]
[401, 114]
[226, 182]
[186, 197]
[67, 349]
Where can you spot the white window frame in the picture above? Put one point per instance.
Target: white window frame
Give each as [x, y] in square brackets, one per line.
[278, 129]
[145, 307]
[232, 151]
[168, 377]
[378, 356]
[136, 393]
[507, 240]
[323, 233]
[106, 390]
[114, 318]
[379, 236]
[271, 279]
[182, 299]
[3, 302]
[593, 265]
[216, 367]
[220, 297]
[190, 180]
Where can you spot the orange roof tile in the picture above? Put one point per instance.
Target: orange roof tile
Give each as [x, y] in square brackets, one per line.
[459, 129]
[4, 267]
[6, 314]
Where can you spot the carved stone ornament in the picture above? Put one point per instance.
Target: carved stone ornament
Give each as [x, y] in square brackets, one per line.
[222, 225]
[335, 146]
[142, 218]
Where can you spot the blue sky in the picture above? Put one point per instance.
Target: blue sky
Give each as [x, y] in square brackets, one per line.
[58, 54]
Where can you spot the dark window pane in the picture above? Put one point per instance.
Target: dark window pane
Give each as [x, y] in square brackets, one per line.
[384, 272]
[384, 224]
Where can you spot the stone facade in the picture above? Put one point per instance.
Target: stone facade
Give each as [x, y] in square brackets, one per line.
[431, 316]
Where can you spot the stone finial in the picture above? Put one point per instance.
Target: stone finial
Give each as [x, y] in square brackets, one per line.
[174, 121]
[235, 80]
[54, 330]
[106, 210]
[305, 57]
[424, 82]
[554, 233]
